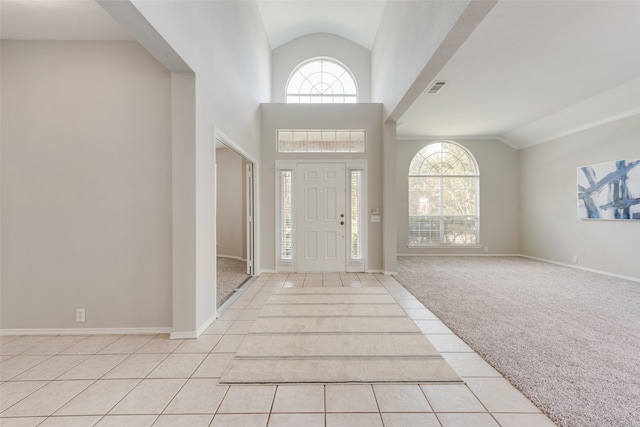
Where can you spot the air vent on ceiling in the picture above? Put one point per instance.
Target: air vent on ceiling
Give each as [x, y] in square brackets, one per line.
[436, 86]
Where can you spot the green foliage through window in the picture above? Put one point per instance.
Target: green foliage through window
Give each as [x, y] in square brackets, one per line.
[443, 196]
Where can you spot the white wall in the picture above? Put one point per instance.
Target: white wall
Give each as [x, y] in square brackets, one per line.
[408, 35]
[361, 116]
[315, 116]
[86, 186]
[225, 45]
[499, 197]
[287, 57]
[548, 196]
[230, 207]
[222, 73]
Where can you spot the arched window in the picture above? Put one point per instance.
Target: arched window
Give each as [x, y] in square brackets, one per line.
[321, 81]
[443, 196]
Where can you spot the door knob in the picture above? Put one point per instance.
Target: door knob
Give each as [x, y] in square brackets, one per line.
[341, 222]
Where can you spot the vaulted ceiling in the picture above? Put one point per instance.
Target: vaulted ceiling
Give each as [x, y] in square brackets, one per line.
[531, 71]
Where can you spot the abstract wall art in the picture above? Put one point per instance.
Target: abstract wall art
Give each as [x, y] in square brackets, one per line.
[609, 190]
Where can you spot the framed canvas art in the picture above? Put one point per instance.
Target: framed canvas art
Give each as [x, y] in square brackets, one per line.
[609, 190]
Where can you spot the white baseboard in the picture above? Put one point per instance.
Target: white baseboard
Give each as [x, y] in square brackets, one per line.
[578, 267]
[458, 255]
[87, 331]
[183, 335]
[187, 335]
[206, 324]
[231, 256]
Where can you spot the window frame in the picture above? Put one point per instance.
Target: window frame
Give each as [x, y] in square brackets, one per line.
[442, 216]
[353, 264]
[329, 143]
[352, 97]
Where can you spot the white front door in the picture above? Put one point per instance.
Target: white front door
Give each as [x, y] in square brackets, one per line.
[321, 221]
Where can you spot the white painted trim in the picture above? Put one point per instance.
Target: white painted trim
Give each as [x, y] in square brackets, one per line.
[193, 334]
[235, 295]
[606, 273]
[231, 257]
[548, 138]
[460, 138]
[205, 325]
[583, 128]
[183, 335]
[508, 142]
[445, 247]
[290, 266]
[436, 255]
[577, 267]
[87, 331]
[369, 271]
[389, 273]
[283, 265]
[220, 137]
[358, 265]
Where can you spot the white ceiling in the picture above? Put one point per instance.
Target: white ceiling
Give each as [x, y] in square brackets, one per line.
[532, 70]
[528, 60]
[356, 20]
[57, 20]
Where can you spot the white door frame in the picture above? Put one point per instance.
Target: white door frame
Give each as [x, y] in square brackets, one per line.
[352, 265]
[250, 218]
[252, 192]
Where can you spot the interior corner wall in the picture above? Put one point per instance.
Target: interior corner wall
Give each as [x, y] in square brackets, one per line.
[86, 186]
[230, 194]
[287, 57]
[320, 116]
[499, 198]
[550, 227]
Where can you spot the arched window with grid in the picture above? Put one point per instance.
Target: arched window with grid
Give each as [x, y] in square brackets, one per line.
[443, 196]
[321, 81]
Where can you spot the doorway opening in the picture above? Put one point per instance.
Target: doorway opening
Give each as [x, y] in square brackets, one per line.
[234, 219]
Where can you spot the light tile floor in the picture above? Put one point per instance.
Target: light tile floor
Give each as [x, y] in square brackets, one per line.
[134, 380]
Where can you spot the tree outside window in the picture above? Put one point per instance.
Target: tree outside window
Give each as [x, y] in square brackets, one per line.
[443, 196]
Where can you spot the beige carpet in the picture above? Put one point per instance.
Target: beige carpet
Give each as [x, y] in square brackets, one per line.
[231, 274]
[568, 339]
[328, 335]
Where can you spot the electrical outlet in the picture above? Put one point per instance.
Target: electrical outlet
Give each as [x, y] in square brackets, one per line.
[574, 259]
[486, 248]
[80, 315]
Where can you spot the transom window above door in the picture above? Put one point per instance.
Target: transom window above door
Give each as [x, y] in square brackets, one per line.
[321, 140]
[321, 81]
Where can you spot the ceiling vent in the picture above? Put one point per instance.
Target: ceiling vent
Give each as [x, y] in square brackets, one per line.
[436, 86]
